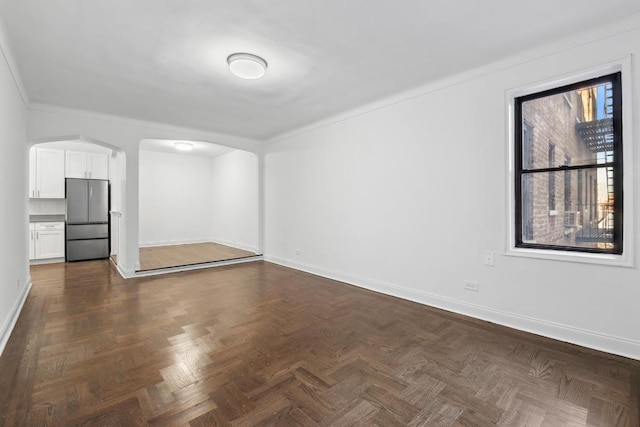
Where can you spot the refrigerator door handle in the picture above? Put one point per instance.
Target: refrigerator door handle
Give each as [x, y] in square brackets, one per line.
[90, 191]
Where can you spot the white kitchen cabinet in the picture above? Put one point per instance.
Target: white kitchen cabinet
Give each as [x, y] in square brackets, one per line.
[47, 239]
[46, 173]
[32, 240]
[33, 172]
[80, 164]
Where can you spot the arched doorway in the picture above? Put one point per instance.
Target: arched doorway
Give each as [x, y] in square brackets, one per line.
[46, 198]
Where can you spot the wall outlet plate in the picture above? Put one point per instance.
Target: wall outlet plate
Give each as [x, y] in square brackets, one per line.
[471, 286]
[489, 258]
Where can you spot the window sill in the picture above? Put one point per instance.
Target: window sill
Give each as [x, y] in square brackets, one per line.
[567, 256]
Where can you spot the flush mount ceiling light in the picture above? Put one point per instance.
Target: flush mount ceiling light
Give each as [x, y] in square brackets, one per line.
[183, 146]
[247, 66]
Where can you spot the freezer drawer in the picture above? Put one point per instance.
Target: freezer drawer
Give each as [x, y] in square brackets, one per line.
[78, 250]
[87, 231]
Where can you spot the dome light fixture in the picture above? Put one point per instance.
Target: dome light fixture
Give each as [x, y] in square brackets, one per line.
[247, 66]
[183, 146]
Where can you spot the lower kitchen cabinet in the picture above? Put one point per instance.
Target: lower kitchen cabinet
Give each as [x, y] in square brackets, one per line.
[46, 240]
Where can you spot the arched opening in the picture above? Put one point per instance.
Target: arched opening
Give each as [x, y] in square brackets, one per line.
[196, 207]
[54, 161]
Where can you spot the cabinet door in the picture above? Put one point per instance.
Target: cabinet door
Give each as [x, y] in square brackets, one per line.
[33, 167]
[50, 173]
[76, 164]
[32, 242]
[49, 244]
[98, 165]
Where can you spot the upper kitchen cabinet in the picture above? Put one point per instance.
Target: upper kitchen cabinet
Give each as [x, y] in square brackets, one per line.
[46, 173]
[81, 164]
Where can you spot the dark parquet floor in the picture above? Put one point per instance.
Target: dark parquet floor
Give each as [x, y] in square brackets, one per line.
[259, 344]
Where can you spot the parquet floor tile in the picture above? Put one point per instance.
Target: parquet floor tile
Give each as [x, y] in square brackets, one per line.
[260, 344]
[159, 257]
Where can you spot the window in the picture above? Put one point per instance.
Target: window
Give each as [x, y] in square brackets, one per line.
[570, 146]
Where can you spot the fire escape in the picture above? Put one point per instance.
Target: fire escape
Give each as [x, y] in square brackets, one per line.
[597, 226]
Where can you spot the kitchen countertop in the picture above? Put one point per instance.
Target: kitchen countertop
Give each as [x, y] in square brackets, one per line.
[47, 218]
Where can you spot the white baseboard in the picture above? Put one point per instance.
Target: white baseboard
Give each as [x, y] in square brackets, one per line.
[46, 261]
[169, 270]
[237, 245]
[586, 338]
[124, 273]
[10, 322]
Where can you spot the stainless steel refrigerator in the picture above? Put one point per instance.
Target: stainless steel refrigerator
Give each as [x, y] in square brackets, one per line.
[87, 230]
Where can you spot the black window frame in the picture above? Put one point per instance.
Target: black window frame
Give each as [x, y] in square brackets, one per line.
[552, 178]
[616, 162]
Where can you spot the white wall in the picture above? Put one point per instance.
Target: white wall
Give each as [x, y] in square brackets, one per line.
[188, 199]
[14, 258]
[175, 198]
[234, 191]
[47, 207]
[87, 147]
[116, 163]
[405, 196]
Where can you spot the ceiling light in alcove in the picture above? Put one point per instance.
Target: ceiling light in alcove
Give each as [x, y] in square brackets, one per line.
[247, 66]
[183, 146]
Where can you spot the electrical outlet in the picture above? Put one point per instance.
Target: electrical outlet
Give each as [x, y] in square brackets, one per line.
[489, 258]
[471, 286]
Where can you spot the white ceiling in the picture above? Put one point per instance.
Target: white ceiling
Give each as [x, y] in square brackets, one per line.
[165, 60]
[200, 148]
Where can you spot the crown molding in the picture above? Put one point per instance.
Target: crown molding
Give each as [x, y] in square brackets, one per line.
[9, 59]
[584, 38]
